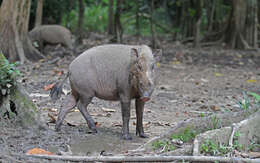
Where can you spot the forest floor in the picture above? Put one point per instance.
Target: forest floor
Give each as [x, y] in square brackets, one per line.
[192, 83]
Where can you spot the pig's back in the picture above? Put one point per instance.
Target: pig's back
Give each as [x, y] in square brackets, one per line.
[105, 58]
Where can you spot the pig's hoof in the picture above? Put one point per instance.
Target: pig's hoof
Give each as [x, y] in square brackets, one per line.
[126, 137]
[142, 135]
[93, 131]
[57, 129]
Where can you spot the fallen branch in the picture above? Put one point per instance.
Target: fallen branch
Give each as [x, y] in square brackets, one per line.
[230, 142]
[142, 147]
[145, 158]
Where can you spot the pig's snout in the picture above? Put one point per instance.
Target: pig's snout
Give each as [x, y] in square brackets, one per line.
[146, 95]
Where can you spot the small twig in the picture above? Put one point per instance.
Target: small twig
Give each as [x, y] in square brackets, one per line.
[200, 112]
[187, 77]
[200, 72]
[54, 60]
[142, 148]
[235, 126]
[163, 148]
[230, 142]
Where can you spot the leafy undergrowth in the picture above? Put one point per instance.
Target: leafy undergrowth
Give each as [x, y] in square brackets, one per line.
[175, 141]
[8, 74]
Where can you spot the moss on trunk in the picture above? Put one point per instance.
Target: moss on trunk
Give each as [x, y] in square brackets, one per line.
[27, 112]
[19, 109]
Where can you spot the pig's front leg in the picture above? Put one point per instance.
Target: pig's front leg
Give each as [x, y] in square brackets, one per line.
[139, 107]
[125, 109]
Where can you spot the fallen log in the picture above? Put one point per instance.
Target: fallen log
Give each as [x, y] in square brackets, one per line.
[145, 158]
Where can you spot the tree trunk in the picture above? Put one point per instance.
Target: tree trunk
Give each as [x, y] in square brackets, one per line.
[38, 18]
[251, 23]
[80, 20]
[14, 40]
[110, 26]
[152, 25]
[197, 24]
[17, 105]
[137, 24]
[211, 18]
[117, 25]
[234, 33]
[182, 17]
[256, 25]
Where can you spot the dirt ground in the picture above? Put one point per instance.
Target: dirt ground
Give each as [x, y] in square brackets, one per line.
[191, 82]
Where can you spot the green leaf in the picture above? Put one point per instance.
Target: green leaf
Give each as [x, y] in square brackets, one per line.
[255, 95]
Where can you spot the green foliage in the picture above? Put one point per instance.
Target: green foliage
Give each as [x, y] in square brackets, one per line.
[95, 18]
[255, 95]
[245, 103]
[53, 11]
[164, 145]
[215, 122]
[211, 148]
[253, 145]
[236, 144]
[191, 12]
[8, 74]
[186, 136]
[168, 15]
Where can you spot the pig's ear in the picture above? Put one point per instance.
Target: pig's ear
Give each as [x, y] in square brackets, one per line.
[134, 53]
[157, 54]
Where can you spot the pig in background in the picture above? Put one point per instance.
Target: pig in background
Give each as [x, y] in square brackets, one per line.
[110, 72]
[51, 34]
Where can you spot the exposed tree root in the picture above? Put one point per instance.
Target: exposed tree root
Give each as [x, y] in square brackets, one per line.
[200, 125]
[247, 129]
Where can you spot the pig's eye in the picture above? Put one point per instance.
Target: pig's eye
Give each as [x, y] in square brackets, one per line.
[152, 67]
[140, 67]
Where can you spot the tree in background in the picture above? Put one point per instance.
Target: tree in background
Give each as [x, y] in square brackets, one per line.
[252, 23]
[234, 33]
[153, 40]
[137, 21]
[198, 17]
[197, 22]
[117, 23]
[110, 24]
[242, 27]
[14, 41]
[81, 6]
[38, 18]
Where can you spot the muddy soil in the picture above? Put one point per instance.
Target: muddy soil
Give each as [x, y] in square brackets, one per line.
[191, 83]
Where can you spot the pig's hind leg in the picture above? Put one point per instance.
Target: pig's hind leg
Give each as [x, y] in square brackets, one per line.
[68, 104]
[82, 105]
